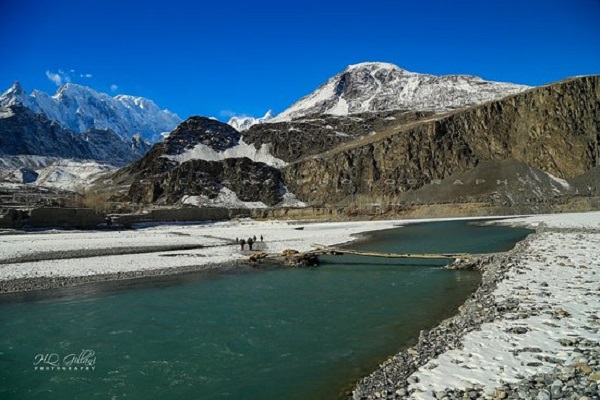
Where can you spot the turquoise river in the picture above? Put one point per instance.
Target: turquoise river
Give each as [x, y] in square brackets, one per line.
[242, 334]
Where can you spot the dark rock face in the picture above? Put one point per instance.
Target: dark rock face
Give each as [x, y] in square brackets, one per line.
[157, 179]
[251, 181]
[27, 133]
[555, 128]
[195, 130]
[28, 175]
[108, 146]
[312, 135]
[199, 130]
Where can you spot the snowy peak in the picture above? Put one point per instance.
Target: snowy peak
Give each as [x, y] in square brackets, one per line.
[14, 95]
[243, 123]
[378, 86]
[81, 108]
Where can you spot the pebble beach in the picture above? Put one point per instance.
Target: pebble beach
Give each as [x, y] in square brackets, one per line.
[530, 331]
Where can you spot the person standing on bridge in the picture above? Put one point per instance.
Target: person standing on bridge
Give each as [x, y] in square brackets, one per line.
[242, 243]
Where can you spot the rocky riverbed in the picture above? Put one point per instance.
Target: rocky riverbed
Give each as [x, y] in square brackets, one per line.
[530, 331]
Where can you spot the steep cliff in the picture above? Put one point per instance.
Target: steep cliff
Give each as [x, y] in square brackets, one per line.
[555, 128]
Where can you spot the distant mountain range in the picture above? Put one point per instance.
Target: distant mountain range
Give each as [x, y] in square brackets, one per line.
[244, 123]
[78, 130]
[80, 109]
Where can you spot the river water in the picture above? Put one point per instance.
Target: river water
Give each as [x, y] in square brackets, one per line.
[275, 334]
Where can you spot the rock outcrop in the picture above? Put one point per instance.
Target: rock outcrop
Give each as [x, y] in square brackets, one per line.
[250, 181]
[173, 168]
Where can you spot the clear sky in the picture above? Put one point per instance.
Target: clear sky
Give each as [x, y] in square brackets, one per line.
[217, 58]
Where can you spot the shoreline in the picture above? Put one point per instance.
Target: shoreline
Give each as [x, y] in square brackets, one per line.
[47, 284]
[572, 370]
[402, 365]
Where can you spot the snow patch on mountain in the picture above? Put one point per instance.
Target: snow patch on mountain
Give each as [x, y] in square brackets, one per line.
[375, 86]
[80, 108]
[290, 200]
[242, 149]
[560, 181]
[6, 112]
[72, 175]
[54, 172]
[226, 198]
[243, 123]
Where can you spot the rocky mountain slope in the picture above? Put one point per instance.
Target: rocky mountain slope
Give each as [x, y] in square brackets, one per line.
[23, 132]
[375, 87]
[80, 109]
[506, 182]
[216, 155]
[308, 136]
[519, 151]
[203, 158]
[554, 128]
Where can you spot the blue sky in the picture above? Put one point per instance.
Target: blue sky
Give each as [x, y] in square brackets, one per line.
[216, 58]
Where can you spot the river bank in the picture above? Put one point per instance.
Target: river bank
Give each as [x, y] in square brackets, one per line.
[49, 259]
[530, 330]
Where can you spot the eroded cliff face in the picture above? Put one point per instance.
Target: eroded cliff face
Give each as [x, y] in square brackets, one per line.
[304, 137]
[555, 128]
[251, 181]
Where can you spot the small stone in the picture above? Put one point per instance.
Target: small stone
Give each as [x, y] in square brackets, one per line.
[584, 368]
[499, 394]
[594, 377]
[518, 330]
[473, 394]
[557, 382]
[401, 392]
[543, 395]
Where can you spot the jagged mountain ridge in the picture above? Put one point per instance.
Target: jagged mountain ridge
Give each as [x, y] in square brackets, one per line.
[376, 87]
[79, 108]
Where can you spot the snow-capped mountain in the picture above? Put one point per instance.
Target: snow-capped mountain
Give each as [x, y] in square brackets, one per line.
[80, 108]
[376, 86]
[243, 123]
